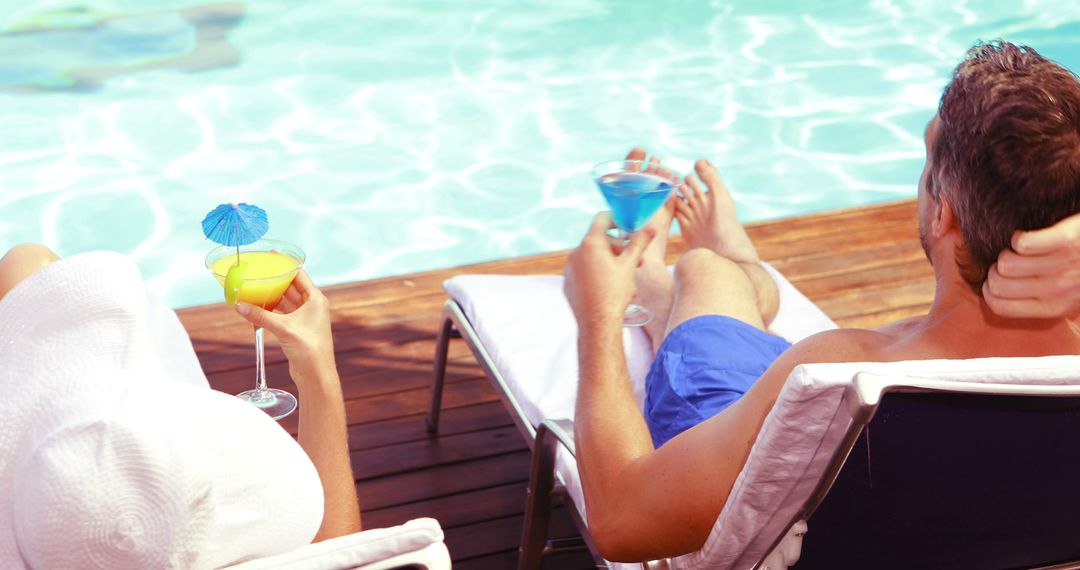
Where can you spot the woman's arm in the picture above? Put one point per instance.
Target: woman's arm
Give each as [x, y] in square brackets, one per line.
[303, 329]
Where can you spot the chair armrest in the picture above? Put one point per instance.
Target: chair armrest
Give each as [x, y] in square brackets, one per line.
[563, 431]
[418, 542]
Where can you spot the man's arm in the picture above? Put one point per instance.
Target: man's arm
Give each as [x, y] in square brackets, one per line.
[1040, 276]
[644, 503]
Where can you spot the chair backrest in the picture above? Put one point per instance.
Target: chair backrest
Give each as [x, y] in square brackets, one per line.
[941, 475]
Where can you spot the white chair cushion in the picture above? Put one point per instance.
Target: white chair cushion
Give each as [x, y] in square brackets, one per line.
[528, 329]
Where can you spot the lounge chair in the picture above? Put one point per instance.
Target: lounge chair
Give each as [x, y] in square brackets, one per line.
[819, 419]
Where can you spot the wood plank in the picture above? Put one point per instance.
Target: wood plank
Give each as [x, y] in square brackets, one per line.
[883, 317]
[850, 281]
[508, 559]
[404, 429]
[456, 510]
[407, 402]
[874, 299]
[837, 243]
[356, 328]
[861, 258]
[444, 480]
[367, 372]
[416, 401]
[443, 450]
[498, 535]
[849, 221]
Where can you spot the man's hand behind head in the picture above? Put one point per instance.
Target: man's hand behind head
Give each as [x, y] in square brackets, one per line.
[1040, 276]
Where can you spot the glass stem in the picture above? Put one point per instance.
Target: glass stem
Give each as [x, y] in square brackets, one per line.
[260, 365]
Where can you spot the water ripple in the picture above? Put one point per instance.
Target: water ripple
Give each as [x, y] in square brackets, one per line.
[386, 138]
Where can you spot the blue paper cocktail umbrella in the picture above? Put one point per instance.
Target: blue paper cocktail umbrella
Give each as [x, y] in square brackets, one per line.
[235, 224]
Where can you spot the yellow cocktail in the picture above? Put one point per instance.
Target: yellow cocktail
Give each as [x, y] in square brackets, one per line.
[259, 274]
[264, 276]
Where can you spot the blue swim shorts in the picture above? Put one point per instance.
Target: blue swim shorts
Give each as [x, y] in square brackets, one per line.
[702, 367]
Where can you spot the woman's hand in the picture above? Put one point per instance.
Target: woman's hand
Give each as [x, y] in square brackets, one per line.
[1040, 276]
[302, 328]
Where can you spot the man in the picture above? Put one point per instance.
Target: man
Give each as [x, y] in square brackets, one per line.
[1003, 155]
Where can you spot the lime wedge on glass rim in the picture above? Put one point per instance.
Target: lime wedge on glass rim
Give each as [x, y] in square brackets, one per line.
[234, 281]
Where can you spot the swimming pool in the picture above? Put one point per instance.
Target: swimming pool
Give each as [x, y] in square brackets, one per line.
[386, 137]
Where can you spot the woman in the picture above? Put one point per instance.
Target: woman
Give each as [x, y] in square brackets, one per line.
[83, 351]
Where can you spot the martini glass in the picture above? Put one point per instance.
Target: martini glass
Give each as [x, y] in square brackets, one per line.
[634, 190]
[267, 269]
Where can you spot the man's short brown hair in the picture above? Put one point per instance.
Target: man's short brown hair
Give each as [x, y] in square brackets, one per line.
[1008, 154]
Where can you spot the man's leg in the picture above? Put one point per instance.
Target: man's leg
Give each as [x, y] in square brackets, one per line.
[707, 283]
[655, 288]
[711, 353]
[722, 273]
[22, 261]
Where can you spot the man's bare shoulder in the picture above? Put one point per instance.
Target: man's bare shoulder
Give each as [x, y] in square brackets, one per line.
[901, 327]
[837, 345]
[842, 345]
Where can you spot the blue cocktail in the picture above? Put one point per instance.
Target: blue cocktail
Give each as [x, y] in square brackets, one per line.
[634, 197]
[634, 190]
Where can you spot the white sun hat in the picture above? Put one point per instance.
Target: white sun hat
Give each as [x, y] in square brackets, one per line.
[115, 453]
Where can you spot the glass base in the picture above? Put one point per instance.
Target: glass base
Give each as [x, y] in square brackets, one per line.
[636, 316]
[276, 403]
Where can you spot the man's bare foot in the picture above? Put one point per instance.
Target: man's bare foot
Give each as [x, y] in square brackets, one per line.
[661, 225]
[708, 219]
[655, 287]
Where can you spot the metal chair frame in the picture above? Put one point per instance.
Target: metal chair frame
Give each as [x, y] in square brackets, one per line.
[544, 442]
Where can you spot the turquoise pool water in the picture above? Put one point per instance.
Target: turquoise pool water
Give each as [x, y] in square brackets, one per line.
[386, 137]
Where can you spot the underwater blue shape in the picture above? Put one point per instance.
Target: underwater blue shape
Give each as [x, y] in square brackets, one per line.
[235, 224]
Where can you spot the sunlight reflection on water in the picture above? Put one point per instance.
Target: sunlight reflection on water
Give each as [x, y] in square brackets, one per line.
[385, 139]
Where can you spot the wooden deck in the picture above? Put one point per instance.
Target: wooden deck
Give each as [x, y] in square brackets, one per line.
[864, 267]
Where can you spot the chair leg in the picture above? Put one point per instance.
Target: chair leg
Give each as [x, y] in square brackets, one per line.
[538, 501]
[442, 348]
